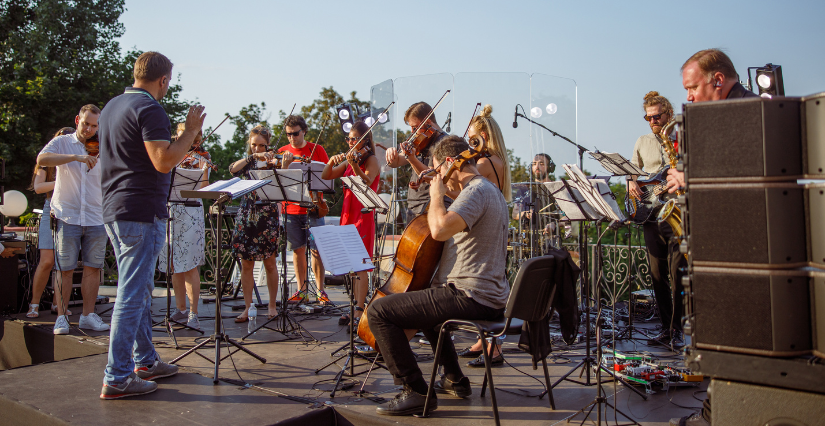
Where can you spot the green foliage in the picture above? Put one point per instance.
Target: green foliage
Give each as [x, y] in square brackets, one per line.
[55, 57]
[519, 171]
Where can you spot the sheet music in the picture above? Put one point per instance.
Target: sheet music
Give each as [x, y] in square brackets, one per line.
[341, 249]
[185, 179]
[616, 164]
[368, 198]
[569, 203]
[315, 168]
[292, 180]
[235, 187]
[595, 194]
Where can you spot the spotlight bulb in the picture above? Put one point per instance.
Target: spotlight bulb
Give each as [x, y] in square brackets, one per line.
[368, 121]
[764, 81]
[535, 112]
[343, 114]
[347, 127]
[551, 108]
[382, 118]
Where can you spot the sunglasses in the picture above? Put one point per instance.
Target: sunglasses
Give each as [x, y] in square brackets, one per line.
[261, 131]
[654, 117]
[293, 134]
[348, 139]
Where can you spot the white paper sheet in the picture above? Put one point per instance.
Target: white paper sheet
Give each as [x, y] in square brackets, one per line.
[341, 249]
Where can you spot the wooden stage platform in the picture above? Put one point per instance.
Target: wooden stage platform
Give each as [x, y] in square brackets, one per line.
[63, 383]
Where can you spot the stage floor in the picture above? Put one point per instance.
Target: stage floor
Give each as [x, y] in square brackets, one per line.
[286, 386]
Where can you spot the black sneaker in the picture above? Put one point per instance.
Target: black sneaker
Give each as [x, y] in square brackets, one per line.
[479, 362]
[468, 353]
[460, 388]
[406, 403]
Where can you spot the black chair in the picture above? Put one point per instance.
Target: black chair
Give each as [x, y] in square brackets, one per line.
[530, 299]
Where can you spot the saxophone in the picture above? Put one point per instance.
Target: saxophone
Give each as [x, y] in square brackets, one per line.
[670, 212]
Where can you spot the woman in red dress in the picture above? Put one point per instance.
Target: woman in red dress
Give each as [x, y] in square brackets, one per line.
[366, 167]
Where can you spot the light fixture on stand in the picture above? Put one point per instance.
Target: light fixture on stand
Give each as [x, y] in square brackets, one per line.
[769, 81]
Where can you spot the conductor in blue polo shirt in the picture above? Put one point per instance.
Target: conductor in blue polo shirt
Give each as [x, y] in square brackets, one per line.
[136, 156]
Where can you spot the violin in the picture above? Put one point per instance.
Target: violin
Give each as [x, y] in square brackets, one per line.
[92, 145]
[191, 162]
[422, 136]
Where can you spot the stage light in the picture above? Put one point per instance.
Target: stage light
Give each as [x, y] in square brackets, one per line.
[345, 115]
[535, 112]
[369, 120]
[382, 118]
[551, 108]
[769, 81]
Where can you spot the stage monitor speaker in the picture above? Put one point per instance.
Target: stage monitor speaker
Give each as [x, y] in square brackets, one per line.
[752, 311]
[9, 285]
[814, 136]
[747, 138]
[747, 225]
[818, 315]
[735, 404]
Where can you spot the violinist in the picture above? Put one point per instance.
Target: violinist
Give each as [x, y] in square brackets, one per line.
[418, 194]
[256, 224]
[367, 168]
[470, 282]
[298, 219]
[188, 230]
[77, 207]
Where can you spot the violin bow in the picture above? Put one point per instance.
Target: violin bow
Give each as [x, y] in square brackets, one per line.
[471, 119]
[318, 139]
[428, 116]
[282, 124]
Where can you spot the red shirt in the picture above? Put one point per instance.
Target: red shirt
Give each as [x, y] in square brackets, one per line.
[318, 155]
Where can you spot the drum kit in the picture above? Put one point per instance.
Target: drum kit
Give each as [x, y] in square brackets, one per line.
[537, 224]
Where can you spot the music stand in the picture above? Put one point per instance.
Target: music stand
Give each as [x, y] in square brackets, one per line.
[222, 192]
[312, 176]
[282, 185]
[343, 253]
[181, 180]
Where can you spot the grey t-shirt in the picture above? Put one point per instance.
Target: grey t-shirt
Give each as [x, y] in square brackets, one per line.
[474, 260]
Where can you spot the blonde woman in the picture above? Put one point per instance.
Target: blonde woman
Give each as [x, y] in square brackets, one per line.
[496, 169]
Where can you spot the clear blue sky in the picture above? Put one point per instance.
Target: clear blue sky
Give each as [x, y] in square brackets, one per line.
[232, 54]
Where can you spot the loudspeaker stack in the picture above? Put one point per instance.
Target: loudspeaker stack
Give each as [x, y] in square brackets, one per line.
[754, 220]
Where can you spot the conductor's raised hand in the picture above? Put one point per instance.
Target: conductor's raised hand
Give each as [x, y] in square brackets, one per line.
[194, 118]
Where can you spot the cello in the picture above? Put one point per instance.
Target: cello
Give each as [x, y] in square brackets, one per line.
[417, 256]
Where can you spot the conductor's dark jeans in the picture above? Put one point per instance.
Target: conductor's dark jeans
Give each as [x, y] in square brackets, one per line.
[425, 310]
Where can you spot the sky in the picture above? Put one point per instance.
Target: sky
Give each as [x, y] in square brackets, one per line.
[595, 59]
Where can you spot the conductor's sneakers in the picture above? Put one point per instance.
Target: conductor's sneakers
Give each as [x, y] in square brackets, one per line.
[158, 370]
[133, 386]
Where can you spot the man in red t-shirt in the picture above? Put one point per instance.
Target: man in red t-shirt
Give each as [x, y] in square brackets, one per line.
[298, 221]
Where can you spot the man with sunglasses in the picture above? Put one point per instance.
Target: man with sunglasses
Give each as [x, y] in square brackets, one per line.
[662, 253]
[298, 219]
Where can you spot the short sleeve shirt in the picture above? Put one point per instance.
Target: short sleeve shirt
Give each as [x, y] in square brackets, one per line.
[77, 195]
[319, 155]
[474, 260]
[132, 188]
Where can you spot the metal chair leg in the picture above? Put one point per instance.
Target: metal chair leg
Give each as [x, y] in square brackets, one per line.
[547, 381]
[488, 375]
[436, 361]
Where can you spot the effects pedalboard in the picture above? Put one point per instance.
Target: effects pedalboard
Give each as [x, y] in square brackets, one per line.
[644, 371]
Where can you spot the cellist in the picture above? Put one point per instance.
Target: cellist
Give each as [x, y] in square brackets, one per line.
[470, 282]
[418, 195]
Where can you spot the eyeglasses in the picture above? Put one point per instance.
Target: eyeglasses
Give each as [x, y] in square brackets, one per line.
[349, 139]
[293, 134]
[261, 131]
[654, 117]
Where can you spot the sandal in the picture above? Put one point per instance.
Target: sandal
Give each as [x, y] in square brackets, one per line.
[33, 310]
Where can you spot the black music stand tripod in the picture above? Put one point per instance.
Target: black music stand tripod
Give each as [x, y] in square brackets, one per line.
[219, 337]
[186, 180]
[283, 185]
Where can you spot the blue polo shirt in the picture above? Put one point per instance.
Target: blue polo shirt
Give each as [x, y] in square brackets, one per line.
[132, 188]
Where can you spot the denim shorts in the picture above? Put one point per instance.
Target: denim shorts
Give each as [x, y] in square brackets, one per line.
[297, 230]
[45, 239]
[71, 239]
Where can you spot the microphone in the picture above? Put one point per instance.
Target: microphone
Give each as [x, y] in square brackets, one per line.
[515, 118]
[449, 121]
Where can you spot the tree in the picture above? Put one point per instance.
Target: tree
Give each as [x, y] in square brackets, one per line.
[55, 57]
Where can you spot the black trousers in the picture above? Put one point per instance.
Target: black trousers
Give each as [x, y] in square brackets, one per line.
[425, 310]
[665, 259]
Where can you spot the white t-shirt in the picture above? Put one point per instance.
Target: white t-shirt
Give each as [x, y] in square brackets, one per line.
[78, 198]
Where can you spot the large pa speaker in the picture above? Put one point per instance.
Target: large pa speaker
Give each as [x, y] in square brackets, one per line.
[736, 404]
[747, 138]
[767, 225]
[752, 311]
[813, 135]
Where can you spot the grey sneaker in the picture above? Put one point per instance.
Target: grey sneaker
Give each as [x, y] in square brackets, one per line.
[93, 322]
[157, 370]
[180, 316]
[133, 386]
[61, 326]
[193, 321]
